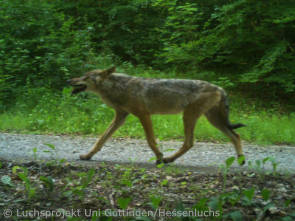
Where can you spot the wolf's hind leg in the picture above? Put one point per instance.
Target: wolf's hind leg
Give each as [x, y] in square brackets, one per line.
[216, 118]
[116, 123]
[190, 115]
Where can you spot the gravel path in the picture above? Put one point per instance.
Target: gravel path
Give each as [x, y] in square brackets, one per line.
[205, 157]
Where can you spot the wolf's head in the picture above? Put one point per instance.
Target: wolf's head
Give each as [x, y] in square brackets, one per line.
[90, 80]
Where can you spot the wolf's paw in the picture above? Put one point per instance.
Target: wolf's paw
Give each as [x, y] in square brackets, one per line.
[241, 160]
[168, 160]
[84, 157]
[159, 161]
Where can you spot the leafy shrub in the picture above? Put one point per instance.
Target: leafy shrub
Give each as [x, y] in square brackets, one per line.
[38, 47]
[242, 44]
[249, 41]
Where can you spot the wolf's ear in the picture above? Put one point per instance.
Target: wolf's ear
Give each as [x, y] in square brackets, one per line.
[108, 71]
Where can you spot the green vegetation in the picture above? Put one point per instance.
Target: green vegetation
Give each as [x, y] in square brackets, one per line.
[107, 190]
[245, 46]
[62, 113]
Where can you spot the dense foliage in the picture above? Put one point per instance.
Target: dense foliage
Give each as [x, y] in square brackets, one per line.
[244, 43]
[105, 191]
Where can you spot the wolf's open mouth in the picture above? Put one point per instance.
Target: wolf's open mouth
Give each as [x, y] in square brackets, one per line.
[79, 88]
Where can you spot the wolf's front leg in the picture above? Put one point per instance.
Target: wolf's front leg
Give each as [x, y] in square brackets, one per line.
[116, 123]
[189, 121]
[148, 129]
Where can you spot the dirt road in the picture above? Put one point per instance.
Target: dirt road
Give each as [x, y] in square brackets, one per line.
[205, 157]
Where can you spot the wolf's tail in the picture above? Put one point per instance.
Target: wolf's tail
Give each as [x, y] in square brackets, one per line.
[224, 103]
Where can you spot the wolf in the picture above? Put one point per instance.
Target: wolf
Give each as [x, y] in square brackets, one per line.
[143, 97]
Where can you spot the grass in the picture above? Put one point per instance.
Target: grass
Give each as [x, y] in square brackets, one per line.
[85, 114]
[40, 110]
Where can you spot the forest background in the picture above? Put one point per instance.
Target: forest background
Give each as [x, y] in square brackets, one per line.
[245, 46]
